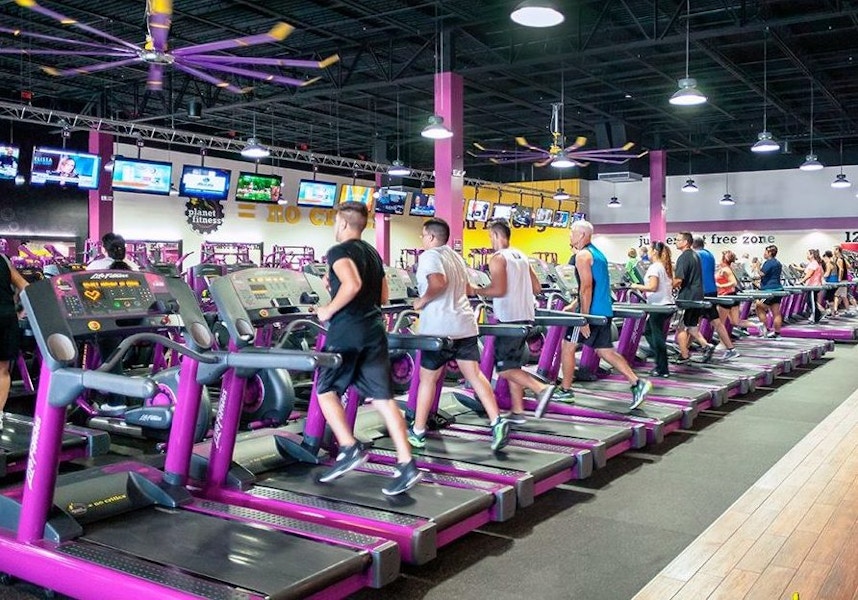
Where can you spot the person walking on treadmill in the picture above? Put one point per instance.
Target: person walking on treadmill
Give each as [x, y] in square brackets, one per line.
[512, 289]
[442, 281]
[770, 279]
[710, 289]
[356, 331]
[688, 280]
[594, 298]
[11, 284]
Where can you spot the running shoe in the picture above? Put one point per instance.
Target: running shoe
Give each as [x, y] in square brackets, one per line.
[349, 458]
[500, 433]
[639, 393]
[773, 335]
[562, 395]
[708, 352]
[417, 440]
[515, 418]
[405, 477]
[543, 398]
[731, 353]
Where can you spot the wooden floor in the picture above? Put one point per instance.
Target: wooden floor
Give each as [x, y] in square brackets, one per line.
[793, 534]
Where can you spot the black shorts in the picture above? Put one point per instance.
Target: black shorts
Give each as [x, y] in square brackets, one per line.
[772, 300]
[829, 294]
[10, 338]
[600, 336]
[691, 317]
[710, 313]
[510, 352]
[461, 349]
[367, 369]
[731, 304]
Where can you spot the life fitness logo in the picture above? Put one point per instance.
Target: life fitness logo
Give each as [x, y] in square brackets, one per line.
[204, 216]
[34, 447]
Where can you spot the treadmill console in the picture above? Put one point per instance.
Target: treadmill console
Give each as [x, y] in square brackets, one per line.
[618, 276]
[398, 283]
[543, 272]
[565, 275]
[478, 279]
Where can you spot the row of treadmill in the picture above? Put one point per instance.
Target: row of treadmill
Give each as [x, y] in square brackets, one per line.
[241, 514]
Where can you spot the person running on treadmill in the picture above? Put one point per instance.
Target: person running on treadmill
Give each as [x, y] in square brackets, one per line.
[688, 281]
[11, 284]
[841, 294]
[594, 298]
[356, 331]
[442, 281]
[770, 279]
[658, 284]
[512, 289]
[707, 272]
[813, 276]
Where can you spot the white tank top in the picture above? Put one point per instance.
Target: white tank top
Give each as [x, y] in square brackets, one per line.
[518, 302]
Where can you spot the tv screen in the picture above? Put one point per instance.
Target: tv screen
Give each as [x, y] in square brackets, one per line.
[317, 194]
[544, 217]
[255, 187]
[357, 193]
[204, 182]
[578, 216]
[478, 210]
[390, 201]
[522, 216]
[561, 218]
[65, 167]
[9, 161]
[502, 211]
[144, 176]
[422, 205]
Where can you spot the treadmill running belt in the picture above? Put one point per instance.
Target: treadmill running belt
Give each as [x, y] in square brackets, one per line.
[252, 558]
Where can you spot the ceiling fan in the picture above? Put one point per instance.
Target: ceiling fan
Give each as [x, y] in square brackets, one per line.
[556, 155]
[203, 61]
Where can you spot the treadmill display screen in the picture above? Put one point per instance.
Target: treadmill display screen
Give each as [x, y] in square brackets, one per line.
[566, 277]
[541, 270]
[111, 292]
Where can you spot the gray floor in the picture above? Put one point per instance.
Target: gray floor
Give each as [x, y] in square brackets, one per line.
[604, 538]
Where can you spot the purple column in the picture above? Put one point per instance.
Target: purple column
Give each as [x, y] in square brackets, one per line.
[101, 213]
[657, 197]
[382, 231]
[449, 204]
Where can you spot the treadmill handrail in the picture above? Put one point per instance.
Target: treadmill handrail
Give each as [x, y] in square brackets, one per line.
[408, 341]
[503, 330]
[646, 308]
[692, 303]
[559, 318]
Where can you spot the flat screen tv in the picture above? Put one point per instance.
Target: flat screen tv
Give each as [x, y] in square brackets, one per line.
[256, 187]
[478, 210]
[9, 161]
[544, 217]
[357, 193]
[316, 194]
[390, 201]
[68, 168]
[561, 218]
[578, 216]
[422, 205]
[522, 216]
[143, 176]
[204, 182]
[502, 211]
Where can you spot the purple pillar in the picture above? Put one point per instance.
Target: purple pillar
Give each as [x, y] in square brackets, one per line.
[382, 230]
[449, 176]
[657, 195]
[101, 212]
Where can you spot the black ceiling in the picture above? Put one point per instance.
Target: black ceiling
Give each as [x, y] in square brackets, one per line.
[614, 63]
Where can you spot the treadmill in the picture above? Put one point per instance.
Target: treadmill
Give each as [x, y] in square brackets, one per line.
[135, 530]
[277, 470]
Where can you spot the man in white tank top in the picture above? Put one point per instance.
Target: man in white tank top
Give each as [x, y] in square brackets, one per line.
[513, 289]
[442, 282]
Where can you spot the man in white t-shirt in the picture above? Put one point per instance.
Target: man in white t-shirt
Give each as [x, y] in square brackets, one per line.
[442, 282]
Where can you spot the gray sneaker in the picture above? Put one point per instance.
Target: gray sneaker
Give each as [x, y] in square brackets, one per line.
[731, 353]
[543, 398]
[515, 418]
[405, 477]
[500, 433]
[708, 351]
[639, 393]
[349, 458]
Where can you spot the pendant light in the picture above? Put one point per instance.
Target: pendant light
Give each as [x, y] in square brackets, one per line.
[727, 200]
[765, 141]
[840, 182]
[811, 162]
[688, 94]
[435, 128]
[614, 201]
[561, 195]
[537, 13]
[398, 168]
[690, 187]
[254, 149]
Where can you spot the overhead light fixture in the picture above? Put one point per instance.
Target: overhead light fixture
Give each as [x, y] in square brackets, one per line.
[19, 179]
[687, 94]
[562, 161]
[811, 162]
[765, 141]
[840, 182]
[398, 169]
[690, 187]
[561, 195]
[435, 129]
[537, 13]
[727, 200]
[255, 150]
[614, 202]
[108, 166]
[174, 191]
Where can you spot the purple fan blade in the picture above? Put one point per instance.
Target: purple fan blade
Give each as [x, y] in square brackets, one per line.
[260, 75]
[278, 33]
[89, 68]
[27, 52]
[34, 6]
[52, 38]
[266, 62]
[155, 78]
[160, 17]
[206, 77]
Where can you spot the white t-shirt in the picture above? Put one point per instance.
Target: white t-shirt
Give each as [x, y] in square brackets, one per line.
[518, 302]
[663, 293]
[101, 264]
[449, 314]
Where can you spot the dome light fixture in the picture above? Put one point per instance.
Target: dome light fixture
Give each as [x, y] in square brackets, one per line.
[840, 182]
[690, 187]
[398, 169]
[253, 149]
[687, 94]
[562, 161]
[108, 166]
[537, 13]
[561, 195]
[765, 140]
[811, 163]
[435, 129]
[727, 200]
[765, 143]
[614, 202]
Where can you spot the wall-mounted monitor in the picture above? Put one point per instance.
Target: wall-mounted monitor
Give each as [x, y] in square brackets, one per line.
[9, 161]
[390, 201]
[357, 193]
[256, 187]
[204, 182]
[142, 176]
[522, 216]
[65, 167]
[578, 216]
[422, 205]
[478, 210]
[561, 218]
[544, 217]
[316, 194]
[502, 211]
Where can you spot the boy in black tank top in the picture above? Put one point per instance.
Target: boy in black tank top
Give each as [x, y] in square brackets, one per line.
[356, 332]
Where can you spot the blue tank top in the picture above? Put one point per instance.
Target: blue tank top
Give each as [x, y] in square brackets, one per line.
[601, 304]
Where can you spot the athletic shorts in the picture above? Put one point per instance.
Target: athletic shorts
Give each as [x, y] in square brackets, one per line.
[367, 369]
[600, 336]
[710, 313]
[10, 338]
[841, 292]
[772, 300]
[691, 317]
[724, 304]
[461, 349]
[510, 350]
